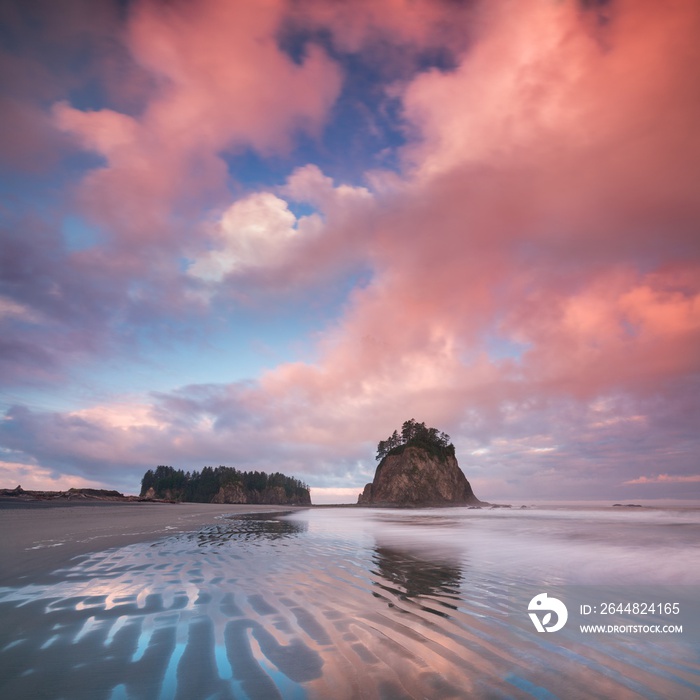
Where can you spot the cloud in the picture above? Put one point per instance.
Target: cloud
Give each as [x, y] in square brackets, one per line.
[527, 448]
[189, 428]
[121, 415]
[665, 479]
[308, 184]
[369, 27]
[32, 477]
[515, 102]
[47, 318]
[531, 271]
[257, 240]
[534, 214]
[227, 79]
[253, 232]
[160, 127]
[47, 52]
[223, 84]
[12, 309]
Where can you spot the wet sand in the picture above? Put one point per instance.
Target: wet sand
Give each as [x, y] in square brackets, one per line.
[38, 537]
[343, 604]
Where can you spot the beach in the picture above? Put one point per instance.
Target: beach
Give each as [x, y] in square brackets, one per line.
[236, 602]
[40, 536]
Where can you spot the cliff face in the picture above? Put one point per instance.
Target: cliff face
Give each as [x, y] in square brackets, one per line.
[274, 495]
[417, 478]
[231, 493]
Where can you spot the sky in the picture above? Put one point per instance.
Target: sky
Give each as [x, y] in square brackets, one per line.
[265, 234]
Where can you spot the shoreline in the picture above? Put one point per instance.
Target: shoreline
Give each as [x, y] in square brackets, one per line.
[42, 536]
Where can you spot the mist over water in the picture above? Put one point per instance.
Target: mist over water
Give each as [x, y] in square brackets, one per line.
[373, 603]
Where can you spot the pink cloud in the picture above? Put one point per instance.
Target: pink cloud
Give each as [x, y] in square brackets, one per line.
[535, 285]
[666, 479]
[223, 83]
[618, 328]
[370, 27]
[226, 81]
[33, 477]
[514, 101]
[538, 209]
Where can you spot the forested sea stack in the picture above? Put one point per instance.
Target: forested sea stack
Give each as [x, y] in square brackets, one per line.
[224, 485]
[418, 468]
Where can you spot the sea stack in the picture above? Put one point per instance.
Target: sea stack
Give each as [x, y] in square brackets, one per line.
[418, 468]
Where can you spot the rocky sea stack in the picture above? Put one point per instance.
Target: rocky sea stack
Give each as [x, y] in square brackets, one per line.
[418, 468]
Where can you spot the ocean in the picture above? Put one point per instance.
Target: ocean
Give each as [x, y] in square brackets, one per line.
[542, 602]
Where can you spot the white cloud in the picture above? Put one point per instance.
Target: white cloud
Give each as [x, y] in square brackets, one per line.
[255, 232]
[260, 232]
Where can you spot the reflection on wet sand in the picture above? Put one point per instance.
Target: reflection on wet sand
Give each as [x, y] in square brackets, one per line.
[264, 607]
[249, 527]
[410, 578]
[157, 621]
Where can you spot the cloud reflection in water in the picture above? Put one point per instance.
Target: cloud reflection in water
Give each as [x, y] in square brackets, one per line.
[318, 604]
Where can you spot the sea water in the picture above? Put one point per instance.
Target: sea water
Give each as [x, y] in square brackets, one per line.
[372, 603]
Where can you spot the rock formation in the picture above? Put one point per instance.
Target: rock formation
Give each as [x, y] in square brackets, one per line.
[273, 495]
[224, 485]
[230, 493]
[415, 477]
[71, 495]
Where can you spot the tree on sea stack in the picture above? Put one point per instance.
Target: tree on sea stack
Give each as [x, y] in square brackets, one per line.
[418, 467]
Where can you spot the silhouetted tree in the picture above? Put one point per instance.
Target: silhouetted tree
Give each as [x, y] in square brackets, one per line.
[417, 435]
[201, 487]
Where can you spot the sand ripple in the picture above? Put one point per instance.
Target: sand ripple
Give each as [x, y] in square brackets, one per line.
[261, 607]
